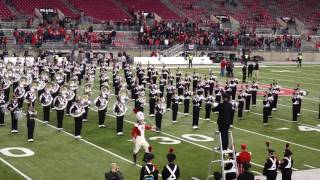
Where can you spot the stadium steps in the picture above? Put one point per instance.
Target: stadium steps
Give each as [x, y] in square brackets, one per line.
[169, 4]
[5, 11]
[71, 7]
[122, 6]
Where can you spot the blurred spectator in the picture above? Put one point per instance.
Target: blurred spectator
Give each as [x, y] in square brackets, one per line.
[246, 175]
[223, 65]
[114, 173]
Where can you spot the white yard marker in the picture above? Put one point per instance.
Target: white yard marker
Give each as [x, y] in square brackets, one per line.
[15, 169]
[282, 129]
[312, 167]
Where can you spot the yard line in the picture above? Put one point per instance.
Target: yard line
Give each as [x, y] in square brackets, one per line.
[194, 178]
[256, 172]
[94, 145]
[181, 139]
[312, 167]
[15, 169]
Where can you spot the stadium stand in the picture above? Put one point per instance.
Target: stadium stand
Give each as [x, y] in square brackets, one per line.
[28, 6]
[101, 10]
[4, 11]
[152, 6]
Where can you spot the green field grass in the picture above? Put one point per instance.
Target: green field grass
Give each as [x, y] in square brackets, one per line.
[59, 156]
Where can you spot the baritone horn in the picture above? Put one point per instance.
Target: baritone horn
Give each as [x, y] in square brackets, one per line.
[119, 108]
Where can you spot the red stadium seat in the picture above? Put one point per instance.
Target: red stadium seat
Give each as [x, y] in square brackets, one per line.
[28, 6]
[4, 11]
[101, 10]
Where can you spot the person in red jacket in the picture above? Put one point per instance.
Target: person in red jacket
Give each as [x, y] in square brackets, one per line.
[243, 157]
[138, 137]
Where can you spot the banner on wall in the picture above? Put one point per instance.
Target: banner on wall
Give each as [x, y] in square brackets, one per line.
[172, 60]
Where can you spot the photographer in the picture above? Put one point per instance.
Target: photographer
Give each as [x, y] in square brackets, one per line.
[114, 173]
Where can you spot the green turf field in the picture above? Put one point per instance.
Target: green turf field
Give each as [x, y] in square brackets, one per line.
[59, 156]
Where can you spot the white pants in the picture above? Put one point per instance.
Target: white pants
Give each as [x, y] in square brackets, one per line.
[140, 142]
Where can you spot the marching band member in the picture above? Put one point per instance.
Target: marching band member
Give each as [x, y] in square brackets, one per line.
[138, 137]
[248, 98]
[270, 99]
[160, 109]
[20, 92]
[218, 93]
[275, 89]
[170, 92]
[295, 107]
[286, 164]
[233, 87]
[208, 101]
[187, 79]
[13, 107]
[31, 115]
[140, 101]
[234, 107]
[6, 89]
[266, 108]
[2, 106]
[77, 111]
[175, 106]
[180, 86]
[101, 104]
[30, 97]
[241, 99]
[243, 157]
[46, 100]
[162, 85]
[196, 111]
[178, 76]
[171, 170]
[119, 109]
[60, 103]
[253, 90]
[271, 166]
[186, 101]
[149, 171]
[152, 100]
[195, 79]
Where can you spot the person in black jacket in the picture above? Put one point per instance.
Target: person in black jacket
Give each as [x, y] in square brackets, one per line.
[271, 166]
[172, 170]
[250, 70]
[244, 73]
[246, 175]
[149, 170]
[286, 164]
[224, 119]
[114, 173]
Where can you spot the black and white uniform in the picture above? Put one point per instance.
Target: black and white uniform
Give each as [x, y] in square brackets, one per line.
[152, 101]
[186, 101]
[270, 168]
[162, 85]
[233, 87]
[295, 107]
[175, 105]
[100, 101]
[2, 108]
[241, 99]
[119, 108]
[149, 171]
[58, 101]
[266, 109]
[248, 100]
[286, 168]
[31, 115]
[160, 109]
[20, 90]
[13, 107]
[208, 106]
[44, 98]
[171, 171]
[195, 79]
[275, 92]
[196, 110]
[170, 92]
[254, 89]
[77, 120]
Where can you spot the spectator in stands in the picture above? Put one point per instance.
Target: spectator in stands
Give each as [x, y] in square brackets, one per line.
[114, 173]
[223, 65]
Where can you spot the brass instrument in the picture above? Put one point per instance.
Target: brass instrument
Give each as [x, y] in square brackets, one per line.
[123, 95]
[3, 105]
[85, 99]
[105, 91]
[103, 104]
[59, 77]
[49, 87]
[32, 96]
[119, 108]
[80, 110]
[55, 87]
[162, 105]
[88, 88]
[44, 76]
[62, 102]
[73, 84]
[47, 99]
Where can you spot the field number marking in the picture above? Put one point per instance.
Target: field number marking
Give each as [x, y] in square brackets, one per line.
[8, 152]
